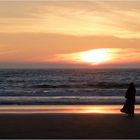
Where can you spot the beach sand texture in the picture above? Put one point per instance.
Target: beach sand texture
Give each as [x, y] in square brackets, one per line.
[88, 125]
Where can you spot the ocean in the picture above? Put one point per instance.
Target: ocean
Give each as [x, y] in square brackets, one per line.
[66, 86]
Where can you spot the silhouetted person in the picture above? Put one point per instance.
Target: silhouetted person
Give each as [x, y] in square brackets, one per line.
[129, 105]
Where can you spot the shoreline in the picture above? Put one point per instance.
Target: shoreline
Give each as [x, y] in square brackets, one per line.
[68, 122]
[85, 109]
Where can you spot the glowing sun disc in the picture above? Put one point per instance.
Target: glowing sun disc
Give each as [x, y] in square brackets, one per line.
[96, 56]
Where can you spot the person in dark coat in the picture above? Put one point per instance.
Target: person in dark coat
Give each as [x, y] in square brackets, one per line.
[129, 105]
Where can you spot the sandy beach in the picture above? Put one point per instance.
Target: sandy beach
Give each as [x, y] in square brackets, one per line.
[69, 125]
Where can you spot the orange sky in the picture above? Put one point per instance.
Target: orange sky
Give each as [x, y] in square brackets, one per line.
[35, 34]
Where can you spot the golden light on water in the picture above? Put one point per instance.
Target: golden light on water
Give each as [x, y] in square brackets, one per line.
[102, 109]
[84, 109]
[61, 109]
[95, 110]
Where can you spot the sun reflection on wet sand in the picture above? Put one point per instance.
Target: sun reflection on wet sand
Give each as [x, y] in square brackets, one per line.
[106, 109]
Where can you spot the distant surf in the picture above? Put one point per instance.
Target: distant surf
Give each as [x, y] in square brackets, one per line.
[66, 86]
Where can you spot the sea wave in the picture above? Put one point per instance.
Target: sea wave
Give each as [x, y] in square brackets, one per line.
[97, 85]
[71, 86]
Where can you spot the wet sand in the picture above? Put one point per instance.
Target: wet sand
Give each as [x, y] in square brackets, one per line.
[69, 125]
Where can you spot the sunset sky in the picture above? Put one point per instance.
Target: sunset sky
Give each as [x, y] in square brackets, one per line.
[70, 34]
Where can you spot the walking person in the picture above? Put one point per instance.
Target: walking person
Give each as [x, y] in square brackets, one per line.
[129, 105]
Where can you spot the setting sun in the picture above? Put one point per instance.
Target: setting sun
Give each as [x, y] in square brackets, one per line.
[96, 56]
[92, 57]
